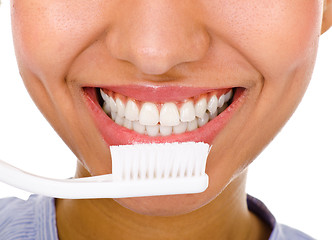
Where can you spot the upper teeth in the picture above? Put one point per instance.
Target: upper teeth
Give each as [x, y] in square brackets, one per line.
[169, 115]
[149, 114]
[172, 117]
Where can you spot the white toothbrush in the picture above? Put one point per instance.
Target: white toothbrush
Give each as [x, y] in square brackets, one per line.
[137, 170]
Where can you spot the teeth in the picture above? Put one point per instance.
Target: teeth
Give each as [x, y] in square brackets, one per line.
[128, 124]
[165, 130]
[221, 100]
[187, 112]
[200, 107]
[138, 127]
[107, 108]
[202, 121]
[220, 110]
[131, 111]
[171, 120]
[120, 107]
[228, 95]
[212, 104]
[113, 115]
[181, 128]
[192, 125]
[213, 115]
[109, 101]
[169, 115]
[152, 130]
[104, 95]
[149, 114]
[119, 120]
[112, 104]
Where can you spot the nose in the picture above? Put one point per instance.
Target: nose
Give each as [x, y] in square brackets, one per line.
[157, 35]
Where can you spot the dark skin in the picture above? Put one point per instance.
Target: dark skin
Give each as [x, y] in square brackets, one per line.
[201, 45]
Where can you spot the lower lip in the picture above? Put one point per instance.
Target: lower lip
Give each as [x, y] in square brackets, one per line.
[115, 134]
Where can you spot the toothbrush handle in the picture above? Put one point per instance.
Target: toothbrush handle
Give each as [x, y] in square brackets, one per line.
[59, 188]
[102, 186]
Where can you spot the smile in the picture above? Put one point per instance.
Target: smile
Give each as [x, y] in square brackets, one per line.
[144, 114]
[164, 119]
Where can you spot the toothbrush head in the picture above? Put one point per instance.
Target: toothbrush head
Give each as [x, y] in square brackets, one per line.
[161, 169]
[159, 161]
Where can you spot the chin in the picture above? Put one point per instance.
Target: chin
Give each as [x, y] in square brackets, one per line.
[170, 205]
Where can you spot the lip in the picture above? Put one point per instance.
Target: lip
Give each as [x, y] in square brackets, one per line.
[115, 134]
[159, 93]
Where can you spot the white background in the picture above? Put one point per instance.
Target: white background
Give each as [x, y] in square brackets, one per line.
[292, 176]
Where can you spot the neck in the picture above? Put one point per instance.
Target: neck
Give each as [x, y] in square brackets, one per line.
[226, 217]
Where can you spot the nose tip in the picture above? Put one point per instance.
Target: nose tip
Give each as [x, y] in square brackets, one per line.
[152, 61]
[157, 60]
[157, 38]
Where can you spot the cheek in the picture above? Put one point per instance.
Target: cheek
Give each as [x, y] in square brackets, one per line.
[274, 36]
[49, 34]
[286, 45]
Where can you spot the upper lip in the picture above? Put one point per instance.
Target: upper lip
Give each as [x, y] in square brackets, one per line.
[159, 93]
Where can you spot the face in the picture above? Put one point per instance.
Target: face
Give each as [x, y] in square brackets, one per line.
[151, 54]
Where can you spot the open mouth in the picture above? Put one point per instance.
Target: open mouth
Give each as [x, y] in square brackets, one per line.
[143, 114]
[164, 118]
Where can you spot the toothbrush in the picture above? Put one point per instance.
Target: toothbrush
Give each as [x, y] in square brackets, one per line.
[137, 170]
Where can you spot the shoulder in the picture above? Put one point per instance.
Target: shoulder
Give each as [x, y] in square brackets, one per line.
[13, 210]
[31, 219]
[279, 231]
[283, 232]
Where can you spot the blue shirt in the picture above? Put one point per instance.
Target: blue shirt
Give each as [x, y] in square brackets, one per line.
[34, 219]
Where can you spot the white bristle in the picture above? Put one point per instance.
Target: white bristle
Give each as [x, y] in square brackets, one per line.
[134, 171]
[165, 160]
[175, 168]
[151, 164]
[197, 167]
[142, 166]
[183, 166]
[159, 167]
[167, 168]
[189, 172]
